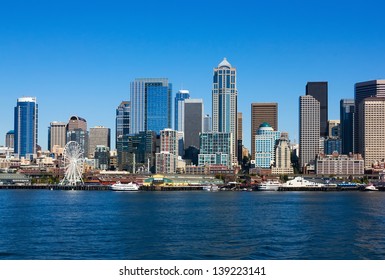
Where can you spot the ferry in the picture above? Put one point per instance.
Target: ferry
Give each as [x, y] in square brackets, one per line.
[118, 186]
[301, 182]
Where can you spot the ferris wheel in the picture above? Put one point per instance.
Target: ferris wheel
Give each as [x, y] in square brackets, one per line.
[73, 162]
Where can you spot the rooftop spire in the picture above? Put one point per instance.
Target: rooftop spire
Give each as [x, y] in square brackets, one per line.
[224, 63]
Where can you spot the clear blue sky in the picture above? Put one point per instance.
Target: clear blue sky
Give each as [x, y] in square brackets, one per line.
[78, 57]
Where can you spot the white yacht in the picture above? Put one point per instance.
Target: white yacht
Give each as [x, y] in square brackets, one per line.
[301, 182]
[211, 188]
[118, 186]
[269, 185]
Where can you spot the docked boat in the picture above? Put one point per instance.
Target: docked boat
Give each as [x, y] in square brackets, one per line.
[370, 188]
[269, 186]
[211, 188]
[301, 182]
[118, 186]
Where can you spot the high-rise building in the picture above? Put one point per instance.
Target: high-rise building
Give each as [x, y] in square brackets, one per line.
[193, 121]
[98, 136]
[26, 126]
[102, 157]
[375, 88]
[371, 114]
[179, 109]
[309, 131]
[265, 141]
[347, 124]
[216, 148]
[122, 124]
[319, 90]
[282, 164]
[240, 137]
[150, 105]
[224, 106]
[207, 123]
[77, 131]
[260, 113]
[166, 159]
[10, 139]
[57, 132]
[332, 145]
[333, 129]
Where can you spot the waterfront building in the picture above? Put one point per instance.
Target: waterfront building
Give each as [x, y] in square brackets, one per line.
[282, 163]
[332, 145]
[10, 139]
[309, 131]
[347, 123]
[136, 151]
[265, 140]
[207, 123]
[99, 135]
[166, 159]
[26, 126]
[122, 125]
[216, 148]
[102, 157]
[150, 105]
[193, 121]
[319, 90]
[375, 88]
[337, 164]
[333, 129]
[260, 113]
[57, 133]
[371, 127]
[179, 109]
[224, 107]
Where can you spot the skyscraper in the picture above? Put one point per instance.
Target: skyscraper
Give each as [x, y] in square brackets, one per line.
[57, 135]
[309, 131]
[347, 124]
[99, 136]
[166, 159]
[207, 123]
[77, 131]
[215, 148]
[224, 106]
[375, 88]
[150, 105]
[179, 109]
[239, 136]
[26, 126]
[260, 113]
[193, 121]
[371, 114]
[10, 139]
[319, 90]
[122, 124]
[265, 141]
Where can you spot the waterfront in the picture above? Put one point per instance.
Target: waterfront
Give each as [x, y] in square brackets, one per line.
[41, 224]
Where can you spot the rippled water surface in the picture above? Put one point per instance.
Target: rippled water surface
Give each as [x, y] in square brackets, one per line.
[191, 225]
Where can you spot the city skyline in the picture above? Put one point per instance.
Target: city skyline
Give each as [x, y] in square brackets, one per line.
[84, 66]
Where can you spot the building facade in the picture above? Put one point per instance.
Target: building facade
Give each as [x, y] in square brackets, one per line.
[371, 114]
[319, 90]
[150, 105]
[224, 107]
[215, 148]
[265, 141]
[375, 88]
[193, 122]
[57, 134]
[207, 127]
[309, 131]
[336, 164]
[179, 109]
[282, 163]
[10, 139]
[26, 126]
[99, 136]
[102, 157]
[260, 113]
[332, 145]
[347, 124]
[122, 124]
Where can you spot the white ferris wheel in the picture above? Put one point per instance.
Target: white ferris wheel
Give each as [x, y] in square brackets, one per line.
[73, 162]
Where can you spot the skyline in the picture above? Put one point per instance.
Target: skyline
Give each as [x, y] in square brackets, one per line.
[71, 56]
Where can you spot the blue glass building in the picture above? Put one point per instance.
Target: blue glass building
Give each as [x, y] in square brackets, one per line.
[179, 108]
[265, 141]
[347, 107]
[26, 126]
[122, 125]
[150, 105]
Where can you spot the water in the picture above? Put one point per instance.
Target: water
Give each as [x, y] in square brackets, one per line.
[81, 225]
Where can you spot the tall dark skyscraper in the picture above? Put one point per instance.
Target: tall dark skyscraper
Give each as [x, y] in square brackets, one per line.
[346, 124]
[319, 90]
[375, 88]
[122, 124]
[193, 121]
[26, 126]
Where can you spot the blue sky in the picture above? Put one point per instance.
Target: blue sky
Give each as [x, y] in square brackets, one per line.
[78, 57]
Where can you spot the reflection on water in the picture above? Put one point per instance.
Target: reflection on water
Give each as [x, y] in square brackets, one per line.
[191, 225]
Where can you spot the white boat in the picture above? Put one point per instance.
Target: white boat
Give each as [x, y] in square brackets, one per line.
[269, 186]
[301, 182]
[211, 188]
[118, 186]
[370, 188]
